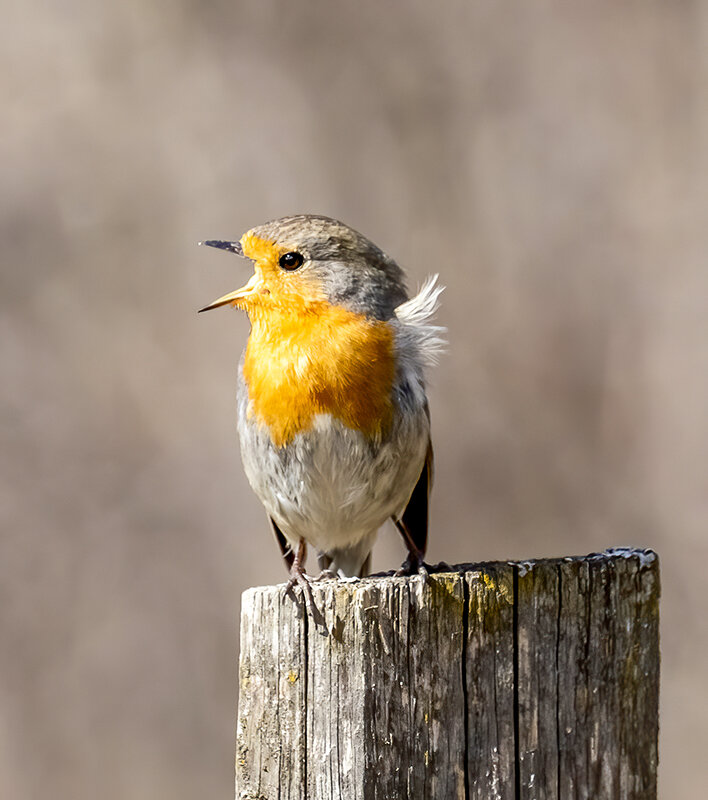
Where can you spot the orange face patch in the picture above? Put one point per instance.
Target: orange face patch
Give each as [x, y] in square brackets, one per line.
[277, 286]
[306, 357]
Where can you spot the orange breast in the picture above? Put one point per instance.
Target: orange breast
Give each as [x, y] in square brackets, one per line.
[319, 359]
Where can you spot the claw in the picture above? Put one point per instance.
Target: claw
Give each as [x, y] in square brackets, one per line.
[298, 577]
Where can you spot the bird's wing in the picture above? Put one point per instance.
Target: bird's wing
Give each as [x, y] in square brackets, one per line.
[413, 523]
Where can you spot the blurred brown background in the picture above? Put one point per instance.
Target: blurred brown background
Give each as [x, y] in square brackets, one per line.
[548, 161]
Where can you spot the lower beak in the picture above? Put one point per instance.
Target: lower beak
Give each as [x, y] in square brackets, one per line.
[233, 297]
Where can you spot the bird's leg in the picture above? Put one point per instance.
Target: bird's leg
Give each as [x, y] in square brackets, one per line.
[299, 577]
[325, 572]
[414, 563]
[297, 568]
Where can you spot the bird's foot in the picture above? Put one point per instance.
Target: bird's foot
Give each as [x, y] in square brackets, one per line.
[298, 577]
[413, 565]
[326, 575]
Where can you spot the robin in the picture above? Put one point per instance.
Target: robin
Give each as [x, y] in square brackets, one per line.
[333, 417]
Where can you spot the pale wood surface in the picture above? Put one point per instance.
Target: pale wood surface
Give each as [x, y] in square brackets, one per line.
[520, 681]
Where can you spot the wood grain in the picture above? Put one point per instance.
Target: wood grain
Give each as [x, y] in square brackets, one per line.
[521, 681]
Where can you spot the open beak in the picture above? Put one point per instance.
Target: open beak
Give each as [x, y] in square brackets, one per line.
[239, 294]
[233, 297]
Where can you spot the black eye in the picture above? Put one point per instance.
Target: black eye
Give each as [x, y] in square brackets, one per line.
[291, 261]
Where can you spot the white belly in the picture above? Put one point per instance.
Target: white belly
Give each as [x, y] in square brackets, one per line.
[330, 486]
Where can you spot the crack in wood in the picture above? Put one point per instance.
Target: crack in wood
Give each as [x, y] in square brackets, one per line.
[515, 637]
[558, 703]
[465, 693]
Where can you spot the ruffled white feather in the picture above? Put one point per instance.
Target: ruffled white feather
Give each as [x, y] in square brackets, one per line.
[416, 316]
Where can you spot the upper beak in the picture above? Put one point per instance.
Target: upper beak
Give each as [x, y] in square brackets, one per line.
[232, 247]
[233, 297]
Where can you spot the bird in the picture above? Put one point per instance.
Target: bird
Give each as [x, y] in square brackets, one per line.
[333, 416]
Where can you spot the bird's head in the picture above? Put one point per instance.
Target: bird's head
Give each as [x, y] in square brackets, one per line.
[306, 260]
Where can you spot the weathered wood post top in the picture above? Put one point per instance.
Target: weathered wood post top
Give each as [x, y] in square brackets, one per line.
[536, 680]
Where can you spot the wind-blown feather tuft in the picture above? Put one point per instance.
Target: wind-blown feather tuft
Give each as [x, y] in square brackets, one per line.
[416, 316]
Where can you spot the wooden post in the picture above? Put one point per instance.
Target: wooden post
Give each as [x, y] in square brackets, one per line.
[536, 680]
